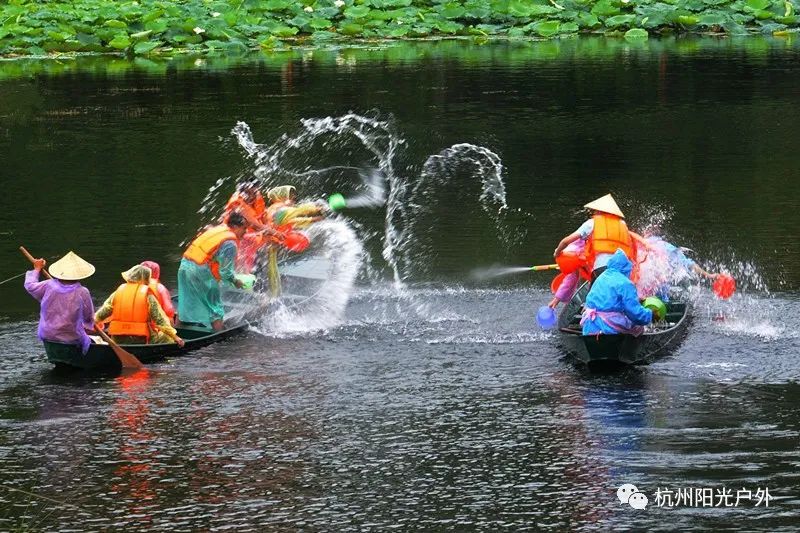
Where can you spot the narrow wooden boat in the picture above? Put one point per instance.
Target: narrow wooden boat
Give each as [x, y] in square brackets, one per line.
[101, 358]
[595, 350]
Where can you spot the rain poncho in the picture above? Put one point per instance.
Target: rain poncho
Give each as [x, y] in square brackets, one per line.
[161, 330]
[164, 297]
[66, 309]
[662, 266]
[612, 305]
[285, 214]
[569, 284]
[199, 297]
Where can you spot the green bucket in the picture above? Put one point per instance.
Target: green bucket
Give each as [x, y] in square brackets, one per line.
[656, 306]
[336, 202]
[248, 280]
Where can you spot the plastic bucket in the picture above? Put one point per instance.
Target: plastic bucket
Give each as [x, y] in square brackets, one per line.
[546, 317]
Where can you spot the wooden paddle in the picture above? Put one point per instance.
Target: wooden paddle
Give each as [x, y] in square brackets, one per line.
[126, 359]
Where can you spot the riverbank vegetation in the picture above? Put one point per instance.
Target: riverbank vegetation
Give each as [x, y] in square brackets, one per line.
[157, 27]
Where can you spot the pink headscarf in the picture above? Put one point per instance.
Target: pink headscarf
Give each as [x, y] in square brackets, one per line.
[155, 270]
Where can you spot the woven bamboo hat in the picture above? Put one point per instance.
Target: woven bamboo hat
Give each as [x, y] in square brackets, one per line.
[71, 268]
[606, 204]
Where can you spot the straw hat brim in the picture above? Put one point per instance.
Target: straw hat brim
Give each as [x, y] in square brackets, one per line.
[71, 268]
[606, 204]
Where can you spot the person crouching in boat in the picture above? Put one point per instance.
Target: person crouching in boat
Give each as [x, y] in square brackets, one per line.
[612, 305]
[66, 305]
[665, 265]
[208, 261]
[284, 215]
[133, 313]
[161, 292]
[604, 233]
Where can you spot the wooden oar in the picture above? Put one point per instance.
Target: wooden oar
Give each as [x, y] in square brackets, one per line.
[126, 359]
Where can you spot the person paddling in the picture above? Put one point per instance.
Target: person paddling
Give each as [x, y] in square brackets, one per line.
[66, 306]
[604, 233]
[208, 261]
[133, 313]
[612, 306]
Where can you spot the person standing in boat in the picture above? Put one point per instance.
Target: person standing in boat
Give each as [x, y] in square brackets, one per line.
[161, 292]
[208, 261]
[66, 306]
[612, 306]
[604, 233]
[665, 265]
[284, 215]
[133, 313]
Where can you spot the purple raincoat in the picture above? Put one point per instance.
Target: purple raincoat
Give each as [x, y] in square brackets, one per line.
[66, 310]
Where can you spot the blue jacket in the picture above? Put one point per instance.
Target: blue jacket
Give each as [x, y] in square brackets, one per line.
[614, 292]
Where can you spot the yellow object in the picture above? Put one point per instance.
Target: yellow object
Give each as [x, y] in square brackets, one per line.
[606, 204]
[281, 193]
[203, 248]
[71, 268]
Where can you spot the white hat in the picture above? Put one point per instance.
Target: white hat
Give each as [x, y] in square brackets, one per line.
[606, 204]
[71, 268]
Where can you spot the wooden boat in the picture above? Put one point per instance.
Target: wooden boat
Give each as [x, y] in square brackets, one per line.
[595, 350]
[101, 358]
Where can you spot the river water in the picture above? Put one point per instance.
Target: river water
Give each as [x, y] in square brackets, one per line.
[407, 393]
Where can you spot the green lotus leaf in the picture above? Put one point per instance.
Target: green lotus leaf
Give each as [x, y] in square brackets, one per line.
[447, 26]
[619, 20]
[357, 12]
[113, 23]
[120, 42]
[146, 47]
[320, 23]
[401, 31]
[588, 20]
[283, 31]
[605, 8]
[758, 4]
[569, 27]
[351, 28]
[452, 10]
[547, 28]
[634, 34]
[687, 20]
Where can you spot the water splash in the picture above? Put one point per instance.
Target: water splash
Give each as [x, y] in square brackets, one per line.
[482, 274]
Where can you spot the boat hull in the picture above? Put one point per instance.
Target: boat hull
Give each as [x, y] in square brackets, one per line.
[600, 350]
[101, 358]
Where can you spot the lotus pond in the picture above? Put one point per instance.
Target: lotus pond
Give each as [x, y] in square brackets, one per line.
[155, 27]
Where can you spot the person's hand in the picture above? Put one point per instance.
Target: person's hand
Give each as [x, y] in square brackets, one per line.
[180, 342]
[238, 283]
[38, 264]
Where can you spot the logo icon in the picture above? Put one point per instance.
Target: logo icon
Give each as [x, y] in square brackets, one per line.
[628, 493]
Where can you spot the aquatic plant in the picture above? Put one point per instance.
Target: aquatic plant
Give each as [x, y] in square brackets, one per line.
[148, 27]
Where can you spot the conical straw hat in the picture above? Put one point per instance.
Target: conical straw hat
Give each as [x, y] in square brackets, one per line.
[71, 268]
[606, 204]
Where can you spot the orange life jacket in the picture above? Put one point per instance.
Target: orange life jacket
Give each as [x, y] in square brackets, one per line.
[131, 311]
[203, 248]
[256, 210]
[609, 234]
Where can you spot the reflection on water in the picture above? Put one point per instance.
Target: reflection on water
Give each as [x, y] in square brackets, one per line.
[437, 406]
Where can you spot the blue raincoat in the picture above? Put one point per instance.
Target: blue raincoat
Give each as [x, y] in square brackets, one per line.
[612, 305]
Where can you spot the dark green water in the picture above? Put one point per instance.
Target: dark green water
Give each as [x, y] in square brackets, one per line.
[440, 405]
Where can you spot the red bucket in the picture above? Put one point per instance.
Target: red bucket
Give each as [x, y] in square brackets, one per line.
[569, 262]
[296, 241]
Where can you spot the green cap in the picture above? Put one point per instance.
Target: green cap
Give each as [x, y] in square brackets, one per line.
[656, 306]
[336, 202]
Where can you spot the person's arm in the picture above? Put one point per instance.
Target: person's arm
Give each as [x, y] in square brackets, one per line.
[35, 288]
[105, 310]
[87, 310]
[169, 308]
[566, 241]
[226, 257]
[636, 312]
[157, 315]
[640, 240]
[697, 269]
